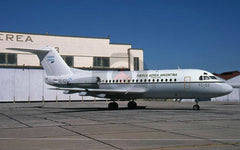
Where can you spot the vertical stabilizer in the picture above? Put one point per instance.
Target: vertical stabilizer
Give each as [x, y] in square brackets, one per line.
[51, 61]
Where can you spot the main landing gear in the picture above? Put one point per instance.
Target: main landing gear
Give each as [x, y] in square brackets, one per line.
[196, 106]
[132, 104]
[114, 106]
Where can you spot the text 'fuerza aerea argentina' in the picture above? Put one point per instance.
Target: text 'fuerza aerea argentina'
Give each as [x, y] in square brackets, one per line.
[154, 75]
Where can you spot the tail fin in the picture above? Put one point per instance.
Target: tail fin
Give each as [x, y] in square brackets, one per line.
[51, 61]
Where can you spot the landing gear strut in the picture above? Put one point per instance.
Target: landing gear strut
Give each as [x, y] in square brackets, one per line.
[132, 104]
[196, 106]
[113, 105]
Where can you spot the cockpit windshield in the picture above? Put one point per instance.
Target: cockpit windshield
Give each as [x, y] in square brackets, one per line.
[207, 77]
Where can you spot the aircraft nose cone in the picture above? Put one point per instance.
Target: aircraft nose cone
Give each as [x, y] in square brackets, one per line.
[227, 89]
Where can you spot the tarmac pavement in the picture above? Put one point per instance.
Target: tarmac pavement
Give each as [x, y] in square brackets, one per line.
[89, 125]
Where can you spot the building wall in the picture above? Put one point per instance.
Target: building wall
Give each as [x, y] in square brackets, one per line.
[19, 83]
[136, 53]
[28, 85]
[82, 48]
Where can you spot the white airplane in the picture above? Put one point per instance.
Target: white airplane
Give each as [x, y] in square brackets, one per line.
[129, 85]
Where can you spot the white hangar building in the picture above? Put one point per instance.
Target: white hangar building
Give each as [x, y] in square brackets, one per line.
[22, 77]
[233, 79]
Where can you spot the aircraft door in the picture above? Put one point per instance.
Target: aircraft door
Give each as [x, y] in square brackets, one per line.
[187, 82]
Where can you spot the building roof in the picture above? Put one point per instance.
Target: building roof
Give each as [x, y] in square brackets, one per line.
[47, 34]
[228, 75]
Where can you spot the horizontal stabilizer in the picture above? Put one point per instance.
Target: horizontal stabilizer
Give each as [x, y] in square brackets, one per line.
[35, 51]
[50, 59]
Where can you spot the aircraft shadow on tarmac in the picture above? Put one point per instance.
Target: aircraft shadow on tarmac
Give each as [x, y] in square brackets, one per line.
[69, 110]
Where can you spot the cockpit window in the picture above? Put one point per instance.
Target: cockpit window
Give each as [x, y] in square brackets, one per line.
[212, 77]
[206, 78]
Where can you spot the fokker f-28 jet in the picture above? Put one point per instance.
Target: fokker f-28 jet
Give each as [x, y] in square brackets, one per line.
[128, 85]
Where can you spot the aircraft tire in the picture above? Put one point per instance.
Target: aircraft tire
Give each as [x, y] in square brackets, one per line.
[113, 106]
[196, 107]
[132, 105]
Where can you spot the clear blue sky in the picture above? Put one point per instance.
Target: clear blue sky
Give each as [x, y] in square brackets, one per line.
[202, 34]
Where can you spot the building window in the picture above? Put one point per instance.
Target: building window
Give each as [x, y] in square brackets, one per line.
[136, 63]
[8, 59]
[101, 62]
[69, 60]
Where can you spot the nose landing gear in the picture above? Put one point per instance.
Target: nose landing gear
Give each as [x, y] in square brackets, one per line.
[196, 106]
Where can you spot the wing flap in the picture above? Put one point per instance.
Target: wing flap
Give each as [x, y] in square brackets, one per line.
[104, 91]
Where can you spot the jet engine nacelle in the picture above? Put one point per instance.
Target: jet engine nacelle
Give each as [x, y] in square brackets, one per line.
[84, 82]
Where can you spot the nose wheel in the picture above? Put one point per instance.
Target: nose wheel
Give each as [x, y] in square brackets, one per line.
[196, 106]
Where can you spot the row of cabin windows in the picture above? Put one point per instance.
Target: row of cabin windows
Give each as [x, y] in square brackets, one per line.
[139, 80]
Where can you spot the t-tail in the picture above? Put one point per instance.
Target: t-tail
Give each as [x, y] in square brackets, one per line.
[50, 59]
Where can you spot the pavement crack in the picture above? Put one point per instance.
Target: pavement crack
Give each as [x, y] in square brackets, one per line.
[78, 133]
[9, 117]
[191, 136]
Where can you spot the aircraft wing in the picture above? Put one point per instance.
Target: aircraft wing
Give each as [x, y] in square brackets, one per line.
[108, 93]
